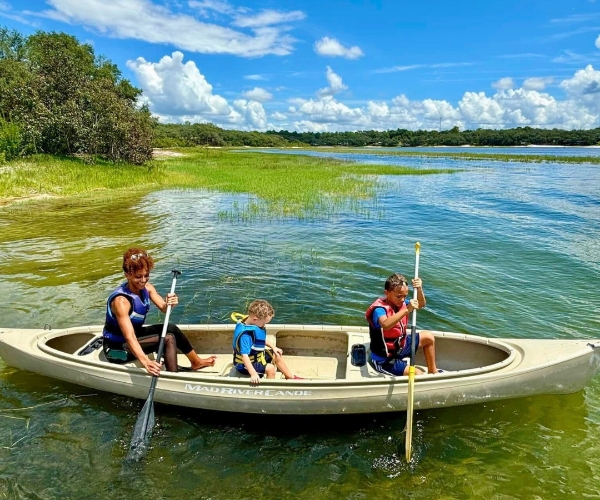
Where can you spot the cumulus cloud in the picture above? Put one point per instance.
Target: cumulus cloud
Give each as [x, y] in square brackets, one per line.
[258, 94]
[583, 89]
[335, 84]
[251, 114]
[153, 23]
[508, 107]
[504, 83]
[537, 83]
[176, 90]
[331, 47]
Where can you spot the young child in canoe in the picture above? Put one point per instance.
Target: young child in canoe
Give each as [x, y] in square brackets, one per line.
[388, 321]
[253, 354]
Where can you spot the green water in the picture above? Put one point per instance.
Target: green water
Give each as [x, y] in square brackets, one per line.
[507, 249]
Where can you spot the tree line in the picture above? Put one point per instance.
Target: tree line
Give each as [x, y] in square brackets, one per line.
[57, 97]
[206, 134]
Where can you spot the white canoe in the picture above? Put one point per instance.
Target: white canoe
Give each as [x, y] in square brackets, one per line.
[476, 370]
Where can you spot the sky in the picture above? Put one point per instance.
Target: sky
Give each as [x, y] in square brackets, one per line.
[344, 65]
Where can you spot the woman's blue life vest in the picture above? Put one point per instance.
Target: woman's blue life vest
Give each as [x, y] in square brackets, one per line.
[386, 343]
[259, 343]
[137, 313]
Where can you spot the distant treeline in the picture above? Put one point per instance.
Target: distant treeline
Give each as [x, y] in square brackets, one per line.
[57, 97]
[206, 134]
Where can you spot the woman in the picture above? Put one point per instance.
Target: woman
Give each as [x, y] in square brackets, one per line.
[125, 337]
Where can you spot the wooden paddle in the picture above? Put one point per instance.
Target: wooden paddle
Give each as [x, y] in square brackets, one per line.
[411, 368]
[145, 422]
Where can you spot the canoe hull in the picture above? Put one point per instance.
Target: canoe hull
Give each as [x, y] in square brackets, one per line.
[512, 368]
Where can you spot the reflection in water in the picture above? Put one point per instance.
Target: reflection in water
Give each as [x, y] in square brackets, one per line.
[507, 250]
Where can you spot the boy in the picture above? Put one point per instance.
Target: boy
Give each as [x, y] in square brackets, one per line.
[253, 354]
[388, 321]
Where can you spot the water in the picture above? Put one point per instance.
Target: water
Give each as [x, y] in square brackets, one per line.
[507, 249]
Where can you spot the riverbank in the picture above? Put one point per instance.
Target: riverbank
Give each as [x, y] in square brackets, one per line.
[284, 184]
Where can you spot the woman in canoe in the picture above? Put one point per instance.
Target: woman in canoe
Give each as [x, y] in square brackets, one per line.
[125, 336]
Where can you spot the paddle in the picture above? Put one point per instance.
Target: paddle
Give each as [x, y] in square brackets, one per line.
[145, 422]
[411, 368]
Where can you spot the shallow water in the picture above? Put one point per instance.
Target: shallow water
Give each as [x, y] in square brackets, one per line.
[507, 249]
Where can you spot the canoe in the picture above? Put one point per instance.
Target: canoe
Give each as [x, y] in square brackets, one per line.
[476, 370]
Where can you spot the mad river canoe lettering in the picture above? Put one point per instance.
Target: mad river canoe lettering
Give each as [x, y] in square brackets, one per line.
[249, 392]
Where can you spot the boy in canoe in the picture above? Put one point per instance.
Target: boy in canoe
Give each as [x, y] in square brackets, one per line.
[253, 354]
[125, 336]
[388, 321]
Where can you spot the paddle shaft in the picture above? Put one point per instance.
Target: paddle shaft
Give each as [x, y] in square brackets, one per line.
[413, 328]
[161, 348]
[411, 368]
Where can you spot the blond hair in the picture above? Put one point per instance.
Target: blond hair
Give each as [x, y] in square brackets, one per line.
[261, 309]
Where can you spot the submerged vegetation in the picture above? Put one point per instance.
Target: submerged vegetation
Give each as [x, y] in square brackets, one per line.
[467, 155]
[277, 185]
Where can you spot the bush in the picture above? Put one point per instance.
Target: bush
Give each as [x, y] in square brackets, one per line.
[10, 139]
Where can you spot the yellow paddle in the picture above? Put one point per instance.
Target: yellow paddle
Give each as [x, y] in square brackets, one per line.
[411, 368]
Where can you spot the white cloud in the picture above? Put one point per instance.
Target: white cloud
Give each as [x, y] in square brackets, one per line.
[598, 42]
[506, 108]
[254, 77]
[147, 21]
[504, 83]
[331, 47]
[278, 116]
[175, 89]
[205, 7]
[258, 94]
[537, 83]
[335, 84]
[583, 89]
[252, 114]
[268, 18]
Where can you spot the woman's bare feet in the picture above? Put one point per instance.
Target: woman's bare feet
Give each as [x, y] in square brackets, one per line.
[204, 362]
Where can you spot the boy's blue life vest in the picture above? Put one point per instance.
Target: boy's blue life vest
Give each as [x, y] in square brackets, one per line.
[386, 343]
[137, 313]
[259, 339]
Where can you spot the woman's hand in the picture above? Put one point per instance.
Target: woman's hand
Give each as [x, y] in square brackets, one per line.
[151, 366]
[171, 299]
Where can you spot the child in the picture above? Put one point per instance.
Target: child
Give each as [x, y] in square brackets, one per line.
[388, 320]
[253, 354]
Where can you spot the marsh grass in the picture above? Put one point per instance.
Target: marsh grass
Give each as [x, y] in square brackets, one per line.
[286, 185]
[45, 176]
[521, 158]
[277, 185]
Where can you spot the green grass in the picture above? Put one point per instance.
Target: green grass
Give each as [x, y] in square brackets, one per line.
[277, 185]
[468, 155]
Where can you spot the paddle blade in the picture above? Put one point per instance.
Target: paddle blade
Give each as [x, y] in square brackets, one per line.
[409, 412]
[142, 432]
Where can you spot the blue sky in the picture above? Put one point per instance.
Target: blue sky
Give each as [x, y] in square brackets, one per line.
[344, 65]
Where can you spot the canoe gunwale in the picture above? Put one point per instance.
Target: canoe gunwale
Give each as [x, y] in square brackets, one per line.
[376, 380]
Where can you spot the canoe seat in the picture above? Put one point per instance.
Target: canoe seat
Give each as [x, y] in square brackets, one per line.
[308, 367]
[312, 367]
